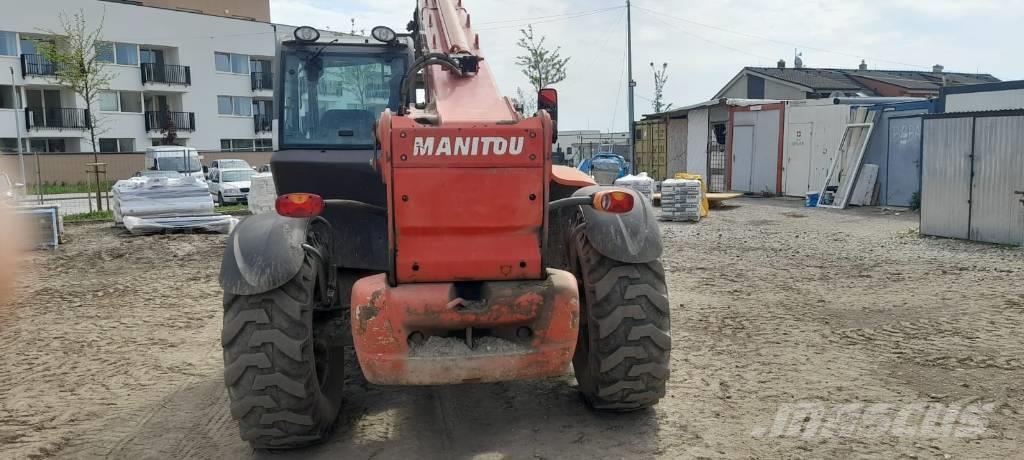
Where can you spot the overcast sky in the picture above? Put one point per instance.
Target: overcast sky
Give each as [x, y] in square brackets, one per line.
[706, 43]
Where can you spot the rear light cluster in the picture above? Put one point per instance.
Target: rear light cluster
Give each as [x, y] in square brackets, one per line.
[616, 201]
[299, 205]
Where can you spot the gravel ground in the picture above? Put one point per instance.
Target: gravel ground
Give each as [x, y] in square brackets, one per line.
[112, 350]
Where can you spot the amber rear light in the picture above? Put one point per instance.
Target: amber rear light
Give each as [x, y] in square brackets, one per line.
[616, 201]
[299, 205]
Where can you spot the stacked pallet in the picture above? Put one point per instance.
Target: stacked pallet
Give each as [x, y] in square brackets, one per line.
[680, 200]
[159, 204]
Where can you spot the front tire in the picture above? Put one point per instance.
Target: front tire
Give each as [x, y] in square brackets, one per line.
[220, 199]
[622, 353]
[284, 377]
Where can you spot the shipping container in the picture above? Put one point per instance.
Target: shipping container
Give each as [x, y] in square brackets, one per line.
[813, 131]
[1007, 95]
[754, 149]
[651, 147]
[973, 176]
[895, 147]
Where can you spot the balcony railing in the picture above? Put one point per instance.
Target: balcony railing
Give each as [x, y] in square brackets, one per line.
[262, 81]
[165, 73]
[264, 123]
[158, 121]
[37, 64]
[56, 118]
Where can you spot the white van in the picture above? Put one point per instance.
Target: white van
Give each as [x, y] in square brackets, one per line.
[185, 160]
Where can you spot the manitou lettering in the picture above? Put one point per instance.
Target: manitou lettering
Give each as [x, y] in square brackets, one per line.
[467, 146]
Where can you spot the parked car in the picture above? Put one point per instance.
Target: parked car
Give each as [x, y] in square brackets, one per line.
[185, 160]
[230, 185]
[227, 163]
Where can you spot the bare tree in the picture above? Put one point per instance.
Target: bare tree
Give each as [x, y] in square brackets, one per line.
[542, 66]
[74, 53]
[660, 77]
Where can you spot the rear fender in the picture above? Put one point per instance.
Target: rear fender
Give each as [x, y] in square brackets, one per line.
[263, 253]
[632, 237]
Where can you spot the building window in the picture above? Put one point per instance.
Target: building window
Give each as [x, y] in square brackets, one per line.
[231, 63]
[234, 105]
[264, 145]
[117, 145]
[121, 101]
[242, 145]
[8, 44]
[48, 145]
[117, 53]
[9, 144]
[8, 99]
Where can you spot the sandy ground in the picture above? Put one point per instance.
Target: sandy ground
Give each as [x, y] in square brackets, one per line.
[112, 350]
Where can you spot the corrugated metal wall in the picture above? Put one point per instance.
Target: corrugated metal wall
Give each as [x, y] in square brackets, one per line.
[987, 100]
[677, 133]
[946, 177]
[997, 212]
[697, 142]
[651, 148]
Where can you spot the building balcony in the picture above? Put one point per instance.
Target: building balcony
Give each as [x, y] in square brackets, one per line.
[262, 81]
[56, 118]
[158, 121]
[37, 64]
[165, 73]
[264, 123]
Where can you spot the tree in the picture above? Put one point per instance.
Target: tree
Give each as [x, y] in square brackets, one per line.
[543, 67]
[74, 54]
[660, 77]
[525, 105]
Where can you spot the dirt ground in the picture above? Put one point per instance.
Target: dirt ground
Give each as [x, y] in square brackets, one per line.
[112, 350]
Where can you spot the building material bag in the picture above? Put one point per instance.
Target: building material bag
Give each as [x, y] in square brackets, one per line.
[681, 200]
[639, 183]
[262, 193]
[146, 197]
[705, 207]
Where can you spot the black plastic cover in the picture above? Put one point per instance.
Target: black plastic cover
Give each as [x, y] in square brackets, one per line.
[633, 237]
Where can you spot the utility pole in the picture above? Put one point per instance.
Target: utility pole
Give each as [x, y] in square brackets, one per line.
[17, 127]
[632, 84]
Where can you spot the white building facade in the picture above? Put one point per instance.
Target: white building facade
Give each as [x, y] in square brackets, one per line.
[212, 77]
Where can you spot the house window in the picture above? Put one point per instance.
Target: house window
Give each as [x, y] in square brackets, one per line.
[231, 63]
[8, 44]
[48, 145]
[239, 145]
[234, 105]
[9, 144]
[117, 145]
[8, 100]
[117, 53]
[121, 101]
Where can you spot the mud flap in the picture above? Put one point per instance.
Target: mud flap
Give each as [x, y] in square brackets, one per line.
[632, 237]
[263, 253]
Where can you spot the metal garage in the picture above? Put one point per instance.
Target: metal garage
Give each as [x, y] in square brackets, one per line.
[755, 148]
[972, 183]
[895, 146]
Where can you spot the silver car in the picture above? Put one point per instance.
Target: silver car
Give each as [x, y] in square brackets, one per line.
[230, 186]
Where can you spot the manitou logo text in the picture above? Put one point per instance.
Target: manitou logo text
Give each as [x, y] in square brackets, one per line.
[467, 146]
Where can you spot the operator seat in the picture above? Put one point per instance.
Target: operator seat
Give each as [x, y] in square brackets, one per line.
[360, 122]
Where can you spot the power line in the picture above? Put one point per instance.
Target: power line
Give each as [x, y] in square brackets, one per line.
[549, 16]
[618, 92]
[677, 27]
[607, 36]
[580, 15]
[783, 42]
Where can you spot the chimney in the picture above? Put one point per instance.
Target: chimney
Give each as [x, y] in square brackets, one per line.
[863, 65]
[781, 64]
[937, 68]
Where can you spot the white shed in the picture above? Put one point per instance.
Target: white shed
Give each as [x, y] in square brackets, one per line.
[814, 129]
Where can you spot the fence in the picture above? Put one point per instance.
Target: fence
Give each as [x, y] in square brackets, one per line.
[66, 178]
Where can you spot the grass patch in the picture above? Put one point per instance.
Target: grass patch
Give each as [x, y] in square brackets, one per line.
[94, 216]
[233, 209]
[49, 188]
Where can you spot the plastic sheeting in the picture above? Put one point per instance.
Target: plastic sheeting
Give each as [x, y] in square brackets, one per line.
[639, 183]
[147, 197]
[262, 193]
[681, 200]
[215, 223]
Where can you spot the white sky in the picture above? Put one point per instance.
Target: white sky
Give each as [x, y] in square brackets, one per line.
[706, 43]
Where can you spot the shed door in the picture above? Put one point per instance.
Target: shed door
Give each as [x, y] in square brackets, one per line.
[765, 170]
[903, 172]
[996, 209]
[742, 158]
[946, 177]
[797, 170]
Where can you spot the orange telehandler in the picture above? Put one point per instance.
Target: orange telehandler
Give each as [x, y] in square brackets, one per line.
[419, 212]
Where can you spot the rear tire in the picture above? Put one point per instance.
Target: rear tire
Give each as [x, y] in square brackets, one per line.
[220, 199]
[622, 353]
[284, 376]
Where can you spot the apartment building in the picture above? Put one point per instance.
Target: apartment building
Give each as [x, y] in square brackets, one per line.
[210, 76]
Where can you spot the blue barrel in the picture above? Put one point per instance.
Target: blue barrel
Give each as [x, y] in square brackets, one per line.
[812, 200]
